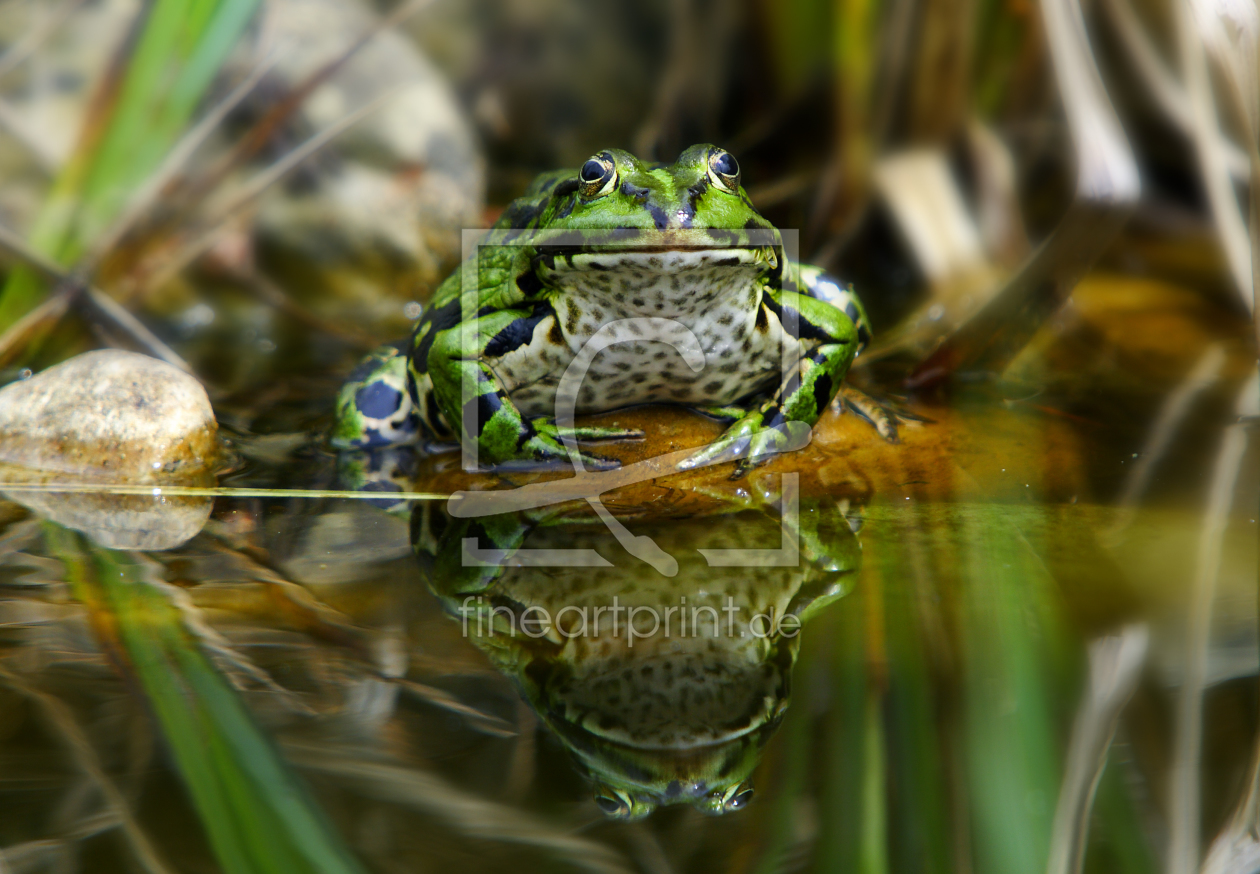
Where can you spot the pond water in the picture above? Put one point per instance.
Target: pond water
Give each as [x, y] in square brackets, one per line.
[1031, 585]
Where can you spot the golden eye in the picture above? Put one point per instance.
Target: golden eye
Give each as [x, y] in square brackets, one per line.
[724, 170]
[597, 176]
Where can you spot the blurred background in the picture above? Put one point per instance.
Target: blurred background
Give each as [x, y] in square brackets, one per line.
[1049, 662]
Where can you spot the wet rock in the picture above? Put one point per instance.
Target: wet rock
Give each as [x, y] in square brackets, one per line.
[108, 414]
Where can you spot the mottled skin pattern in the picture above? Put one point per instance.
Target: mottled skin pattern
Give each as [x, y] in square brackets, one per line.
[672, 719]
[628, 240]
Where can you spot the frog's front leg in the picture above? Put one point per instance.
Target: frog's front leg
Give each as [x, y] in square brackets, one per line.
[828, 341]
[476, 404]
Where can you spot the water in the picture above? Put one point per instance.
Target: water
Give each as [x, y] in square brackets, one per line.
[294, 689]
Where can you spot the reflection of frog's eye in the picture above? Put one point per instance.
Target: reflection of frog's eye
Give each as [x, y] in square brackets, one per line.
[724, 170]
[598, 176]
[614, 807]
[741, 799]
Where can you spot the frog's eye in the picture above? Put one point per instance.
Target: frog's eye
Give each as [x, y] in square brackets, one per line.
[724, 170]
[598, 176]
[614, 807]
[740, 800]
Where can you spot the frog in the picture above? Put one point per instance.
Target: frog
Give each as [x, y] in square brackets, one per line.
[630, 242]
[679, 714]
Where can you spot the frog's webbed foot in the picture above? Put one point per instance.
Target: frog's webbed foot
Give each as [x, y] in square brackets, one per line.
[546, 443]
[883, 419]
[752, 442]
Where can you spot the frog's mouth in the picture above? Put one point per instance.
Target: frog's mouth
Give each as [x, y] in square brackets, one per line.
[661, 259]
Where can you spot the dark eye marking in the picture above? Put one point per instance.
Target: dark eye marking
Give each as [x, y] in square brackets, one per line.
[566, 187]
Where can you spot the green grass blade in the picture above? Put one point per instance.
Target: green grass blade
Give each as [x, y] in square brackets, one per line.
[181, 47]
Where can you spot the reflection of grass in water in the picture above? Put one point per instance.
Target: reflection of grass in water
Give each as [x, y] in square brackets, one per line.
[946, 676]
[256, 814]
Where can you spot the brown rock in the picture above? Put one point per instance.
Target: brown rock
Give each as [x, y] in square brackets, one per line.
[109, 415]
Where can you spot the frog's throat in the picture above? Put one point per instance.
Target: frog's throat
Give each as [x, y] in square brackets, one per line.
[674, 701]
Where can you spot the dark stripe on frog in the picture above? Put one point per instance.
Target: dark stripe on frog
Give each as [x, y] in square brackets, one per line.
[520, 214]
[565, 188]
[805, 329]
[659, 217]
[481, 410]
[439, 319]
[863, 333]
[529, 284]
[568, 196]
[443, 318]
[694, 194]
[823, 390]
[435, 418]
[519, 332]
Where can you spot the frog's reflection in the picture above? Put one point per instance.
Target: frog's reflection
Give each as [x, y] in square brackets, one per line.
[665, 689]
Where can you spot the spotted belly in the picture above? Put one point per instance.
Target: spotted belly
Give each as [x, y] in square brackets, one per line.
[742, 346]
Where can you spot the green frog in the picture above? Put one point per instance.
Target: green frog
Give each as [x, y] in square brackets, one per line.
[680, 711]
[669, 273]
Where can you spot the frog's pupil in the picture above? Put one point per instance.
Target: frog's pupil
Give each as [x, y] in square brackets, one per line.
[606, 804]
[592, 171]
[725, 165]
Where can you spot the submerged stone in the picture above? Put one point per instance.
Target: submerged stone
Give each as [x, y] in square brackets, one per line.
[108, 414]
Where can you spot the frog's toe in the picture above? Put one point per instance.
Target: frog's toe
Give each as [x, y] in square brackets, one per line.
[750, 442]
[769, 442]
[728, 447]
[882, 418]
[600, 433]
[545, 447]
